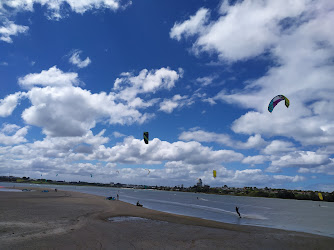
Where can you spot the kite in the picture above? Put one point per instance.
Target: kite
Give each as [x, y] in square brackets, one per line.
[146, 137]
[214, 173]
[276, 100]
[148, 171]
[57, 175]
[91, 175]
[117, 171]
[320, 196]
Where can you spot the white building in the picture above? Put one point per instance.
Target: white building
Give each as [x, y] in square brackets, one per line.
[199, 183]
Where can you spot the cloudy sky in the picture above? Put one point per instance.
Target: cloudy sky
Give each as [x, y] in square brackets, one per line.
[80, 81]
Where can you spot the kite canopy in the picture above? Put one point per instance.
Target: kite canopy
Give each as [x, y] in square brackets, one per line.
[214, 173]
[146, 137]
[276, 100]
[320, 196]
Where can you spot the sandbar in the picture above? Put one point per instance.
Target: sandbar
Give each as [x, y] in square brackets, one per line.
[72, 220]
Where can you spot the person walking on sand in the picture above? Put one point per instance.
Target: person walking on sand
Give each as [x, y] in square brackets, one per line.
[237, 209]
[117, 197]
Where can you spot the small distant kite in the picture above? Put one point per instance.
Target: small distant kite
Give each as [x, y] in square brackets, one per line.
[148, 171]
[91, 175]
[276, 100]
[146, 137]
[117, 171]
[320, 196]
[56, 174]
[214, 173]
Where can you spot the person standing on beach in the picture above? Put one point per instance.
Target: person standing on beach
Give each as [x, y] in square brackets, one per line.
[117, 197]
[237, 209]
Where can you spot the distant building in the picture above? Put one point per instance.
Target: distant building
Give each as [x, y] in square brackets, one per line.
[199, 183]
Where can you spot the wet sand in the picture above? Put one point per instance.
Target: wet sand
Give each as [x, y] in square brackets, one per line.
[70, 220]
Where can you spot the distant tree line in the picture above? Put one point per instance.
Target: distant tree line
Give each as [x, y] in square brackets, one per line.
[265, 192]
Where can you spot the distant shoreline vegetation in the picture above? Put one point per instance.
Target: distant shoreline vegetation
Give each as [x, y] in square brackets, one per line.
[224, 190]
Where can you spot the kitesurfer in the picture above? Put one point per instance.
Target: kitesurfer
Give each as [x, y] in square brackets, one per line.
[237, 209]
[138, 204]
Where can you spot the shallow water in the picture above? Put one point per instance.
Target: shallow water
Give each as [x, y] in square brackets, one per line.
[304, 216]
[127, 218]
[133, 219]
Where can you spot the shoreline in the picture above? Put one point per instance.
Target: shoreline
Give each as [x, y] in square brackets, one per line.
[67, 220]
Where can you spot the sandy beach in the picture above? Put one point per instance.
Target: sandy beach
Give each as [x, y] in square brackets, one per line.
[70, 220]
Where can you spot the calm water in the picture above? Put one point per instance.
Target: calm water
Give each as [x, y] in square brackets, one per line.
[304, 216]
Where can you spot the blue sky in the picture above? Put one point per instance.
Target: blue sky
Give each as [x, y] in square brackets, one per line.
[81, 81]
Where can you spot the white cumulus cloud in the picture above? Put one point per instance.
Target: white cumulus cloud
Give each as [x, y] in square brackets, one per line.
[193, 26]
[146, 82]
[255, 141]
[9, 29]
[133, 151]
[257, 159]
[243, 30]
[75, 59]
[168, 105]
[55, 7]
[301, 158]
[277, 146]
[62, 109]
[12, 134]
[72, 111]
[9, 103]
[50, 77]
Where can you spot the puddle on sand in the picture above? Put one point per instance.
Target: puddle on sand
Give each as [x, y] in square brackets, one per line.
[133, 218]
